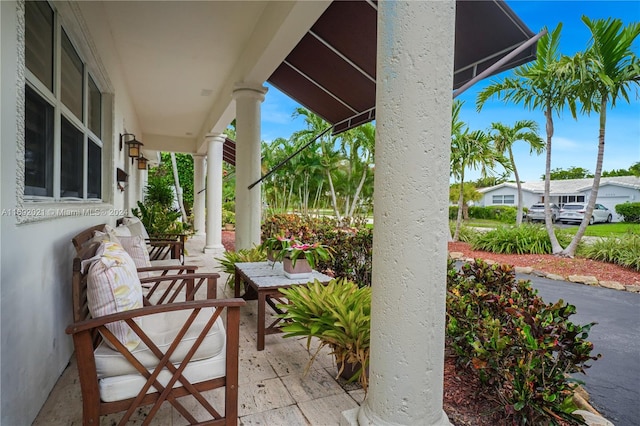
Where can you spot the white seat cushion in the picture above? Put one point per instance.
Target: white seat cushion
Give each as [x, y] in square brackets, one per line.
[122, 387]
[162, 329]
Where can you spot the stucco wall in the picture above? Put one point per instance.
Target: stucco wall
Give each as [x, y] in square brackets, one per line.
[36, 256]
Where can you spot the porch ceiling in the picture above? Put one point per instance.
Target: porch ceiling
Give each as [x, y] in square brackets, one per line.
[180, 59]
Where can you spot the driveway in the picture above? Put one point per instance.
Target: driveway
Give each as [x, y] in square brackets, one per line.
[613, 381]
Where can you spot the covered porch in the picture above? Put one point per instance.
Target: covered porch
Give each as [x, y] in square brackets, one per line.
[174, 75]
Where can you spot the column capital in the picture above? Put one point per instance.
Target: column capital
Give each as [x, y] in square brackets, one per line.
[249, 90]
[215, 137]
[198, 155]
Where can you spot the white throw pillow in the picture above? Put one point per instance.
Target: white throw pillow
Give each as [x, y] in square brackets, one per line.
[135, 226]
[113, 286]
[137, 249]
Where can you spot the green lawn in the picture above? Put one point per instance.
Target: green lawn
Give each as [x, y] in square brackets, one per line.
[608, 229]
[597, 230]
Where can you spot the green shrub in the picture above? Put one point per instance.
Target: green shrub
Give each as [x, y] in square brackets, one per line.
[524, 239]
[506, 214]
[521, 348]
[621, 251]
[229, 205]
[158, 219]
[230, 258]
[629, 211]
[228, 216]
[352, 247]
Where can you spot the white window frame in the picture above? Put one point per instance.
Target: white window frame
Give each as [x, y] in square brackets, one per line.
[499, 199]
[33, 208]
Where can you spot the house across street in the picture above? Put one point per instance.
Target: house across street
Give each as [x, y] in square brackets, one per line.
[613, 191]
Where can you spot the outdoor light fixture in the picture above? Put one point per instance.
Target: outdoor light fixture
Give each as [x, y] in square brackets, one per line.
[121, 179]
[142, 162]
[133, 145]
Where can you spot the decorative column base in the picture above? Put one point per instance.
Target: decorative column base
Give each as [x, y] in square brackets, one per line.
[214, 249]
[359, 417]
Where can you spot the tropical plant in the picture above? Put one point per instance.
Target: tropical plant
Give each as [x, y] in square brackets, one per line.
[523, 239]
[228, 217]
[623, 251]
[230, 258]
[505, 136]
[313, 253]
[158, 219]
[469, 193]
[602, 75]
[537, 85]
[471, 150]
[522, 349]
[339, 315]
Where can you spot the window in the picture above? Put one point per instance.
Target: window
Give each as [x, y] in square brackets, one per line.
[71, 173]
[503, 199]
[38, 154]
[571, 199]
[94, 179]
[63, 125]
[39, 37]
[95, 108]
[72, 73]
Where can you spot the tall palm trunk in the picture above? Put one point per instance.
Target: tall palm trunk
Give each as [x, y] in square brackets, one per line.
[176, 181]
[571, 248]
[555, 245]
[519, 186]
[358, 190]
[456, 234]
[334, 202]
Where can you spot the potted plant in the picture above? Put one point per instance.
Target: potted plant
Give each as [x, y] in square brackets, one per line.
[299, 259]
[339, 315]
[229, 220]
[274, 245]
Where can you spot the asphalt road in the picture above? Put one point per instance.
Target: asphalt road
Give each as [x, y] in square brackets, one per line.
[613, 381]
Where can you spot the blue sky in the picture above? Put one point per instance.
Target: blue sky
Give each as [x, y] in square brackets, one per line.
[575, 142]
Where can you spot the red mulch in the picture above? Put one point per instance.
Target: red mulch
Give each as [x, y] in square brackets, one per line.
[556, 265]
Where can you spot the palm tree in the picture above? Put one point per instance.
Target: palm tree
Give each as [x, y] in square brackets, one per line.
[330, 161]
[602, 75]
[505, 136]
[471, 150]
[359, 145]
[538, 85]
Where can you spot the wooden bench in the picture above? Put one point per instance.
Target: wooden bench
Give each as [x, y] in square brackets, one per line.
[168, 295]
[160, 247]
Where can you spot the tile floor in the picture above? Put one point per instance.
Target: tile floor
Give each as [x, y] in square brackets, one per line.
[274, 389]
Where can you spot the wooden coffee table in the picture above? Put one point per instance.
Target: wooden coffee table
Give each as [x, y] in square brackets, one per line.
[265, 280]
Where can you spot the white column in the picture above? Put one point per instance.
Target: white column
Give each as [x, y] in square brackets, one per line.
[215, 143]
[199, 196]
[413, 122]
[248, 98]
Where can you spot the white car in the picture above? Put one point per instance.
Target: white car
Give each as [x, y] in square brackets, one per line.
[536, 212]
[574, 212]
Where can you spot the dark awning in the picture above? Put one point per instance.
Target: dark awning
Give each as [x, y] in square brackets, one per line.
[332, 70]
[229, 151]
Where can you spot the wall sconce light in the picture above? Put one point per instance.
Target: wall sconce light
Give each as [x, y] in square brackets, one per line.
[142, 162]
[121, 178]
[132, 144]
